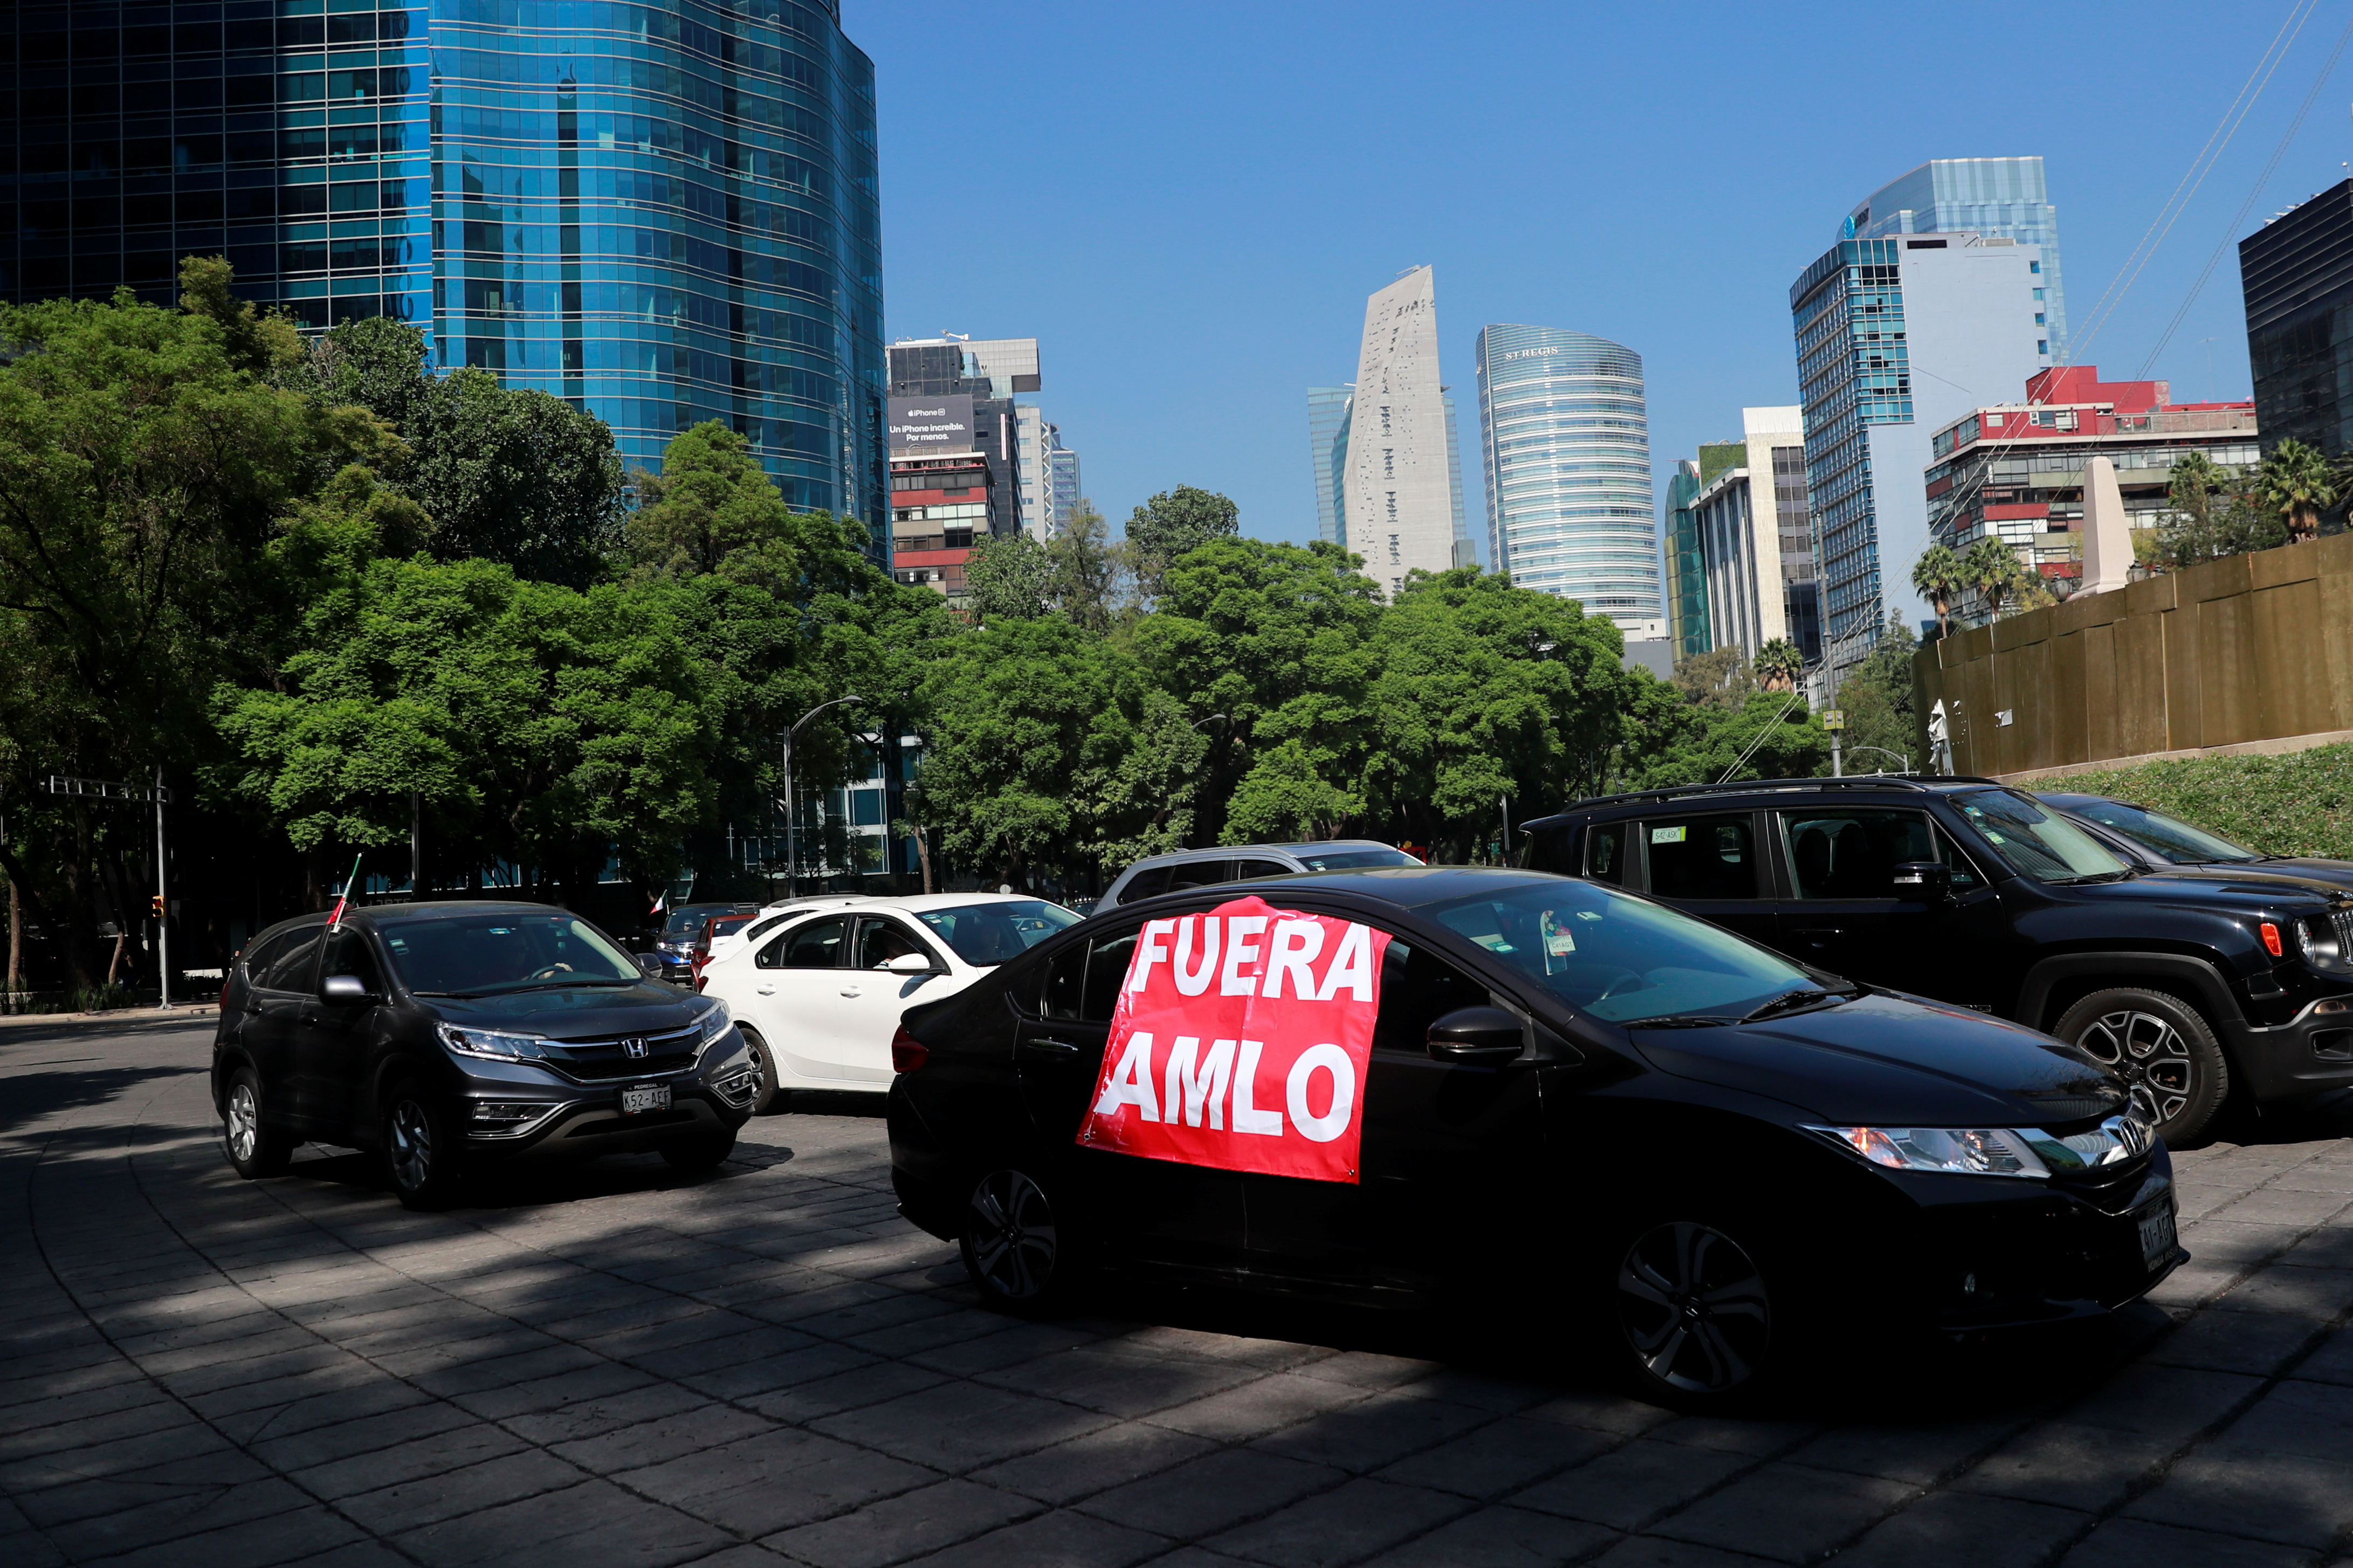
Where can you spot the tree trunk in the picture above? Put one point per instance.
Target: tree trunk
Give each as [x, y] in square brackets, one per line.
[115, 963]
[16, 938]
[69, 936]
[923, 856]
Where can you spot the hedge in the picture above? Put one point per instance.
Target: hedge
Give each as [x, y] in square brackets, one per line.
[2301, 804]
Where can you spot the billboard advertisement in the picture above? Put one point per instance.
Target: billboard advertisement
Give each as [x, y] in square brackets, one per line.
[932, 424]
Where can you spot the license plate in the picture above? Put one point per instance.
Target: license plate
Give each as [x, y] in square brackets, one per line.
[646, 1097]
[2157, 1237]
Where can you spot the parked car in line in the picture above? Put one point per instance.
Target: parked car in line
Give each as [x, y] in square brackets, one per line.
[2153, 841]
[715, 929]
[2191, 985]
[817, 995]
[1723, 1161]
[1190, 869]
[448, 1035]
[774, 914]
[679, 931]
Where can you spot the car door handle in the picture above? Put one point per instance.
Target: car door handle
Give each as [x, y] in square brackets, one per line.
[767, 991]
[1056, 1047]
[1819, 933]
[851, 990]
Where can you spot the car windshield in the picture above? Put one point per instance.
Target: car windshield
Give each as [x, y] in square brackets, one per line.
[727, 925]
[1352, 859]
[475, 955]
[983, 934]
[1620, 957]
[2038, 843]
[688, 920]
[2167, 837]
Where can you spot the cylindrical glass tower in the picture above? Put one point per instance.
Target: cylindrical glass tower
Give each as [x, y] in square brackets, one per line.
[1566, 435]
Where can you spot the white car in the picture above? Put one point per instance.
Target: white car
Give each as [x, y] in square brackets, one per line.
[820, 992]
[771, 916]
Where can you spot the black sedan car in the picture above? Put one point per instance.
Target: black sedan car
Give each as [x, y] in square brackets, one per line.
[445, 1035]
[2154, 840]
[1728, 1158]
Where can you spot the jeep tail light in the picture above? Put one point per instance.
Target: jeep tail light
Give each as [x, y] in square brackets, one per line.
[907, 1053]
[2271, 939]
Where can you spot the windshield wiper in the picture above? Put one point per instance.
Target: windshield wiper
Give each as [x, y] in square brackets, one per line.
[1675, 1021]
[1791, 999]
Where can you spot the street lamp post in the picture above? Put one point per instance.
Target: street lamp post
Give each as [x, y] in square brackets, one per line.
[1883, 752]
[792, 860]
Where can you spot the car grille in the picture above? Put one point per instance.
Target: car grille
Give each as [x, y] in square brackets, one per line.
[2340, 921]
[605, 1060]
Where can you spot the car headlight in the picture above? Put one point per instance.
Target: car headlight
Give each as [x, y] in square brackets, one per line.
[711, 1024]
[495, 1043]
[2323, 943]
[1959, 1151]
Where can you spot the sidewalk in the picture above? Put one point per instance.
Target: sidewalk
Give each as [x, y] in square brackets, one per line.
[118, 1018]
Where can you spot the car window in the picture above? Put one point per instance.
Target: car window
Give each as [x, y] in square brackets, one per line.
[724, 925]
[1261, 869]
[880, 941]
[1618, 956]
[984, 934]
[1187, 874]
[502, 949]
[1107, 961]
[1605, 852]
[1851, 852]
[1418, 988]
[1148, 883]
[349, 953]
[1353, 859]
[262, 951]
[291, 967]
[2036, 841]
[2168, 838]
[814, 945]
[1702, 856]
[1965, 874]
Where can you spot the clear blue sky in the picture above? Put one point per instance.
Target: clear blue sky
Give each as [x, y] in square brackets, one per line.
[1186, 204]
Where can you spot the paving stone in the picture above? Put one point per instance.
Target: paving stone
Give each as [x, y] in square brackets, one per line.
[2162, 1401]
[2137, 1544]
[1341, 1525]
[1498, 1457]
[2331, 1361]
[1499, 1538]
[961, 1425]
[1629, 1485]
[193, 1513]
[2277, 1204]
[593, 1523]
[1121, 1379]
[2320, 1294]
[1376, 1431]
[2313, 1419]
[1603, 1413]
[1056, 1540]
[866, 1382]
[757, 1486]
[598, 1413]
[1790, 1512]
[908, 1525]
[1654, 1552]
[1760, 1438]
[2286, 1498]
[1962, 1527]
[304, 1533]
[479, 1485]
[1095, 1462]
[433, 1455]
[364, 1435]
[642, 1443]
[1278, 1400]
[1213, 1493]
[2254, 1342]
[1920, 1454]
[2082, 1467]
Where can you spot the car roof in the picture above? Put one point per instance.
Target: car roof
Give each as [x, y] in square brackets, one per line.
[1228, 851]
[911, 903]
[1405, 886]
[1891, 783]
[453, 909]
[2070, 799]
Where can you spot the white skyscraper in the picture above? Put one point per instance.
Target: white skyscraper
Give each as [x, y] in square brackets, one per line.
[1398, 475]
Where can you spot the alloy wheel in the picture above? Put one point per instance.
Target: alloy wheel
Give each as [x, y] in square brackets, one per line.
[412, 1146]
[2149, 1054]
[1012, 1234]
[1693, 1308]
[243, 1122]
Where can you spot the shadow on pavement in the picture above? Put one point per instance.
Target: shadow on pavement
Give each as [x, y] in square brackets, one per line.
[36, 1091]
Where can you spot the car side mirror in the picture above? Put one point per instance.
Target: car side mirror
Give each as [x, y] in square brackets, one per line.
[344, 991]
[1929, 880]
[1477, 1037]
[649, 965]
[911, 963]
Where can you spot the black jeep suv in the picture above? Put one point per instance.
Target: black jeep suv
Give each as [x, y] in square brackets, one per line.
[2186, 982]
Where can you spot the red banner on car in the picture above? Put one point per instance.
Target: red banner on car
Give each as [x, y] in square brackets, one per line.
[1241, 1042]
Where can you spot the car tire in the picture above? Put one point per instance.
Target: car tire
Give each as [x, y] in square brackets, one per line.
[694, 1156]
[772, 1096]
[423, 1155]
[2164, 1050]
[1016, 1247]
[254, 1149]
[1700, 1313]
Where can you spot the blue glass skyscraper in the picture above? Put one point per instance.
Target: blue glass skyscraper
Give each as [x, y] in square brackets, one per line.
[2004, 198]
[663, 212]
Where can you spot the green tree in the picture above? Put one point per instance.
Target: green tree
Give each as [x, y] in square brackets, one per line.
[1090, 569]
[255, 343]
[1172, 525]
[1939, 577]
[1702, 743]
[1010, 577]
[1991, 568]
[1779, 666]
[2296, 484]
[712, 502]
[1877, 697]
[1720, 678]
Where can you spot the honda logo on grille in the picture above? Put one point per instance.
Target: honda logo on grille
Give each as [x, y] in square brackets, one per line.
[634, 1047]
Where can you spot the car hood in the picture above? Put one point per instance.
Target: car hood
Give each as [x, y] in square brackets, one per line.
[2248, 890]
[1894, 1061]
[2328, 877]
[581, 1013]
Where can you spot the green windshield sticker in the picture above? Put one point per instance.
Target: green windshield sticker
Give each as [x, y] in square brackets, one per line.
[1666, 836]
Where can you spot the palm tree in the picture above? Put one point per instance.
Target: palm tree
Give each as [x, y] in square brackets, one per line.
[2296, 483]
[1991, 568]
[1937, 577]
[1779, 664]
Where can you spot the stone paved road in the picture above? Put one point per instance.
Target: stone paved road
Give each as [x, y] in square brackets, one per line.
[614, 1366]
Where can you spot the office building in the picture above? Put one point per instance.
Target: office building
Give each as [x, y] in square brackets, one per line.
[664, 213]
[1754, 533]
[1686, 576]
[1890, 332]
[955, 449]
[1398, 494]
[1327, 445]
[1067, 487]
[1037, 443]
[2297, 271]
[1563, 432]
[2015, 470]
[2001, 198]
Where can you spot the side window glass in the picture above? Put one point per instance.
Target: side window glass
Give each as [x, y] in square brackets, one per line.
[816, 945]
[289, 970]
[1605, 853]
[1187, 874]
[1853, 853]
[1149, 883]
[1546, 851]
[1702, 856]
[1965, 874]
[1066, 984]
[1259, 868]
[880, 941]
[259, 955]
[1418, 988]
[348, 953]
[1107, 961]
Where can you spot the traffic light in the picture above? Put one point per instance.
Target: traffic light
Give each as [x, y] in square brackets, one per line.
[155, 906]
